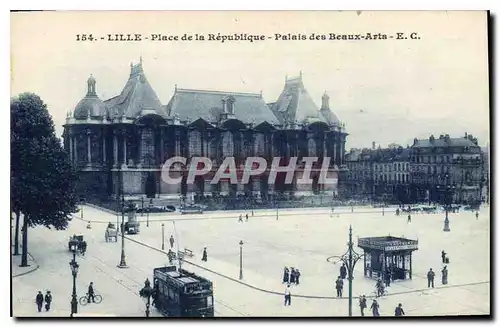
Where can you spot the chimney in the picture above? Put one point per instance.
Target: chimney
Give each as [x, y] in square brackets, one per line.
[465, 135]
[431, 139]
[373, 145]
[415, 141]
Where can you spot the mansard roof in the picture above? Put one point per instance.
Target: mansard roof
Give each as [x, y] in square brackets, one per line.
[137, 97]
[295, 105]
[190, 104]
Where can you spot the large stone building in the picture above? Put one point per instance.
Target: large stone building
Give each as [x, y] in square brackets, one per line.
[436, 162]
[122, 142]
[381, 175]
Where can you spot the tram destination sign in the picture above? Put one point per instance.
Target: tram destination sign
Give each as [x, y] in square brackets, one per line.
[401, 245]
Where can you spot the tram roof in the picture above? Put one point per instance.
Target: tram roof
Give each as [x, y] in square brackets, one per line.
[388, 244]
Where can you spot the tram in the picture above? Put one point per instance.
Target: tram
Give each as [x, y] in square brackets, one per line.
[179, 293]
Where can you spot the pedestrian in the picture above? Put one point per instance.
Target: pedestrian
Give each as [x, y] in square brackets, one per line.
[444, 275]
[288, 295]
[246, 217]
[297, 276]
[430, 278]
[91, 292]
[409, 218]
[286, 275]
[477, 215]
[362, 305]
[399, 311]
[375, 306]
[84, 247]
[443, 256]
[48, 300]
[170, 256]
[240, 218]
[343, 271]
[172, 241]
[388, 276]
[339, 285]
[204, 256]
[292, 276]
[39, 301]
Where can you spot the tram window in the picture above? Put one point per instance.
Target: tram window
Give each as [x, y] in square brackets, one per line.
[176, 297]
[170, 294]
[210, 301]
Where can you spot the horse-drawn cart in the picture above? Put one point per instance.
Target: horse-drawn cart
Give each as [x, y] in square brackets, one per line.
[78, 242]
[111, 234]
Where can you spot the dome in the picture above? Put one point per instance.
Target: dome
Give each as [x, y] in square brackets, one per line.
[92, 106]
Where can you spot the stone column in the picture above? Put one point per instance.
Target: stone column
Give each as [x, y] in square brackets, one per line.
[103, 148]
[89, 154]
[162, 146]
[71, 159]
[115, 148]
[75, 145]
[124, 137]
[334, 146]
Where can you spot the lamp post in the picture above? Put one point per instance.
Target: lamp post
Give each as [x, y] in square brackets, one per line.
[142, 206]
[123, 263]
[146, 293]
[147, 212]
[74, 271]
[446, 196]
[350, 258]
[81, 208]
[163, 236]
[241, 260]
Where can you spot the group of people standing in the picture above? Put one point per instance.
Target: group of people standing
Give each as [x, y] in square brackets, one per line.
[291, 276]
[40, 299]
[240, 218]
[376, 306]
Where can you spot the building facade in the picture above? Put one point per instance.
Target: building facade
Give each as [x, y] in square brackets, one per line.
[120, 144]
[381, 175]
[438, 162]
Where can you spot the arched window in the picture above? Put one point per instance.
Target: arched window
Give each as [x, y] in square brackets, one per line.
[147, 146]
[195, 143]
[227, 144]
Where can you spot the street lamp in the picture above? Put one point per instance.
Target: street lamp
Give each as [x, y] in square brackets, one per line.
[142, 206]
[146, 293]
[123, 263]
[241, 260]
[81, 208]
[163, 236]
[147, 212]
[349, 259]
[74, 271]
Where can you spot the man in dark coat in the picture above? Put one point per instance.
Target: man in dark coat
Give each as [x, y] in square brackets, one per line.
[91, 292]
[409, 218]
[339, 286]
[286, 275]
[362, 305]
[246, 217]
[343, 271]
[48, 300]
[430, 278]
[204, 256]
[399, 311]
[172, 241]
[39, 301]
[443, 256]
[444, 275]
[388, 276]
[292, 276]
[375, 306]
[297, 276]
[83, 247]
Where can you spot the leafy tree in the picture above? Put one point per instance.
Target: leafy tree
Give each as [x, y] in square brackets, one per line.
[42, 179]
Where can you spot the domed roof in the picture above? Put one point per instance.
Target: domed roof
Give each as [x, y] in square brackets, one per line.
[91, 105]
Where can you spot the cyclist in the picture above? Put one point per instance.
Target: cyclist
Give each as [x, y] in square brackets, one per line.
[91, 292]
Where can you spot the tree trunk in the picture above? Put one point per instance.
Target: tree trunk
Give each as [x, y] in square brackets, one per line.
[16, 235]
[24, 255]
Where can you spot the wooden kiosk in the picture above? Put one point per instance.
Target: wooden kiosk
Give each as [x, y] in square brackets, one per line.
[387, 253]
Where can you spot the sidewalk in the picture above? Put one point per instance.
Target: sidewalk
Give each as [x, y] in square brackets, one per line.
[18, 271]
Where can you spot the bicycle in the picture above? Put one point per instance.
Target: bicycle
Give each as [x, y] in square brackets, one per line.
[84, 300]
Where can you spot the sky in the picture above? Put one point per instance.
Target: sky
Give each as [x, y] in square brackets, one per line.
[385, 91]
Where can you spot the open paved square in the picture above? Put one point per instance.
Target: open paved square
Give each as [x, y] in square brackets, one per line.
[301, 238]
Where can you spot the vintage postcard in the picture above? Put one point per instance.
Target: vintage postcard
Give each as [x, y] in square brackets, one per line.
[250, 164]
